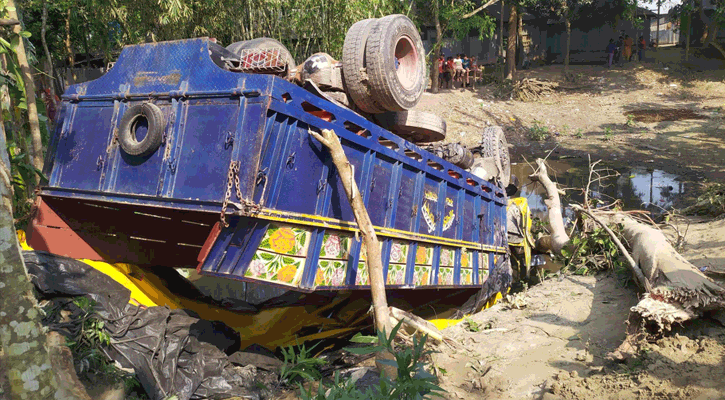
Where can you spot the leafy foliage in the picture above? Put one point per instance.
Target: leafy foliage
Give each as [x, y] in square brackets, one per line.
[412, 380]
[538, 131]
[300, 364]
[591, 252]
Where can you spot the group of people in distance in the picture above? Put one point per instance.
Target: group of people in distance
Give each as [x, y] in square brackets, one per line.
[622, 50]
[456, 69]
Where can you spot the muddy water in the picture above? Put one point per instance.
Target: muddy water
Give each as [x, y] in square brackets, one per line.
[636, 187]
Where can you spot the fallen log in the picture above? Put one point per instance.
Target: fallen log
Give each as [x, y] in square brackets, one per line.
[558, 238]
[675, 290]
[679, 291]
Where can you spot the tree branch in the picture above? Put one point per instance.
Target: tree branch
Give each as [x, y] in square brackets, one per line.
[329, 139]
[641, 280]
[479, 9]
[9, 22]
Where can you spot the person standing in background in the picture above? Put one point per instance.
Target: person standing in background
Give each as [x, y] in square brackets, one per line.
[611, 49]
[618, 53]
[628, 44]
[441, 70]
[641, 45]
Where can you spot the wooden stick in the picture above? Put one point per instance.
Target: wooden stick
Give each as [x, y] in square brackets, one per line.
[641, 280]
[329, 139]
[416, 323]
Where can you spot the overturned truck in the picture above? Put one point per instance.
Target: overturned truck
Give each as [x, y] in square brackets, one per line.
[172, 160]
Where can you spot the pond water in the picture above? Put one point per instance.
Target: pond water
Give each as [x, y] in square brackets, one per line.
[636, 187]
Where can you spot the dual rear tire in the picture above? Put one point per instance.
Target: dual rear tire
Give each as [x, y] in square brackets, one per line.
[384, 64]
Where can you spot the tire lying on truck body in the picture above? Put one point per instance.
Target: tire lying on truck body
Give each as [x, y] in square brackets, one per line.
[395, 63]
[414, 126]
[127, 138]
[354, 73]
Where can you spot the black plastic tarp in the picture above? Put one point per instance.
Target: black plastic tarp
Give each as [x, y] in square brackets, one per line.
[173, 352]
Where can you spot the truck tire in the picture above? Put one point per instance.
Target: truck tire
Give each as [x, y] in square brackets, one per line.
[154, 118]
[267, 43]
[414, 126]
[325, 71]
[395, 63]
[493, 144]
[354, 74]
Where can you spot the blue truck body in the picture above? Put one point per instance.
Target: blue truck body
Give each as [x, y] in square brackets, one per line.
[439, 225]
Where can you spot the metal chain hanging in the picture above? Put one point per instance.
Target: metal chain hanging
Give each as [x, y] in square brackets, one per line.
[246, 207]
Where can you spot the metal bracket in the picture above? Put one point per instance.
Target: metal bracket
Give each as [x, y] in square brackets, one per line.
[99, 163]
[261, 176]
[229, 141]
[372, 184]
[172, 165]
[291, 160]
[321, 185]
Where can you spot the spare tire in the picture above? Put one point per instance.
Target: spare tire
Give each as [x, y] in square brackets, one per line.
[283, 56]
[353, 66]
[395, 63]
[414, 126]
[133, 119]
[494, 145]
[325, 71]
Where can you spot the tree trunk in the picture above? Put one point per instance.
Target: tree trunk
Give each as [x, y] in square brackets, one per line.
[370, 240]
[437, 49]
[37, 143]
[500, 38]
[558, 238]
[679, 291]
[25, 361]
[511, 46]
[659, 5]
[520, 39]
[43, 27]
[568, 41]
[68, 47]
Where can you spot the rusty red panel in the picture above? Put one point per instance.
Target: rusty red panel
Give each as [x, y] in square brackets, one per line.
[206, 248]
[119, 232]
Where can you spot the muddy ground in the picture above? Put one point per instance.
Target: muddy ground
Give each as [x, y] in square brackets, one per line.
[551, 342]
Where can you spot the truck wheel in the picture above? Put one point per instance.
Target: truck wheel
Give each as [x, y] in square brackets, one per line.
[395, 63]
[493, 144]
[354, 74]
[414, 126]
[283, 56]
[134, 120]
[325, 71]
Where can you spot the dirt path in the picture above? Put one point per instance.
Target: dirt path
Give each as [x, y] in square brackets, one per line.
[566, 324]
